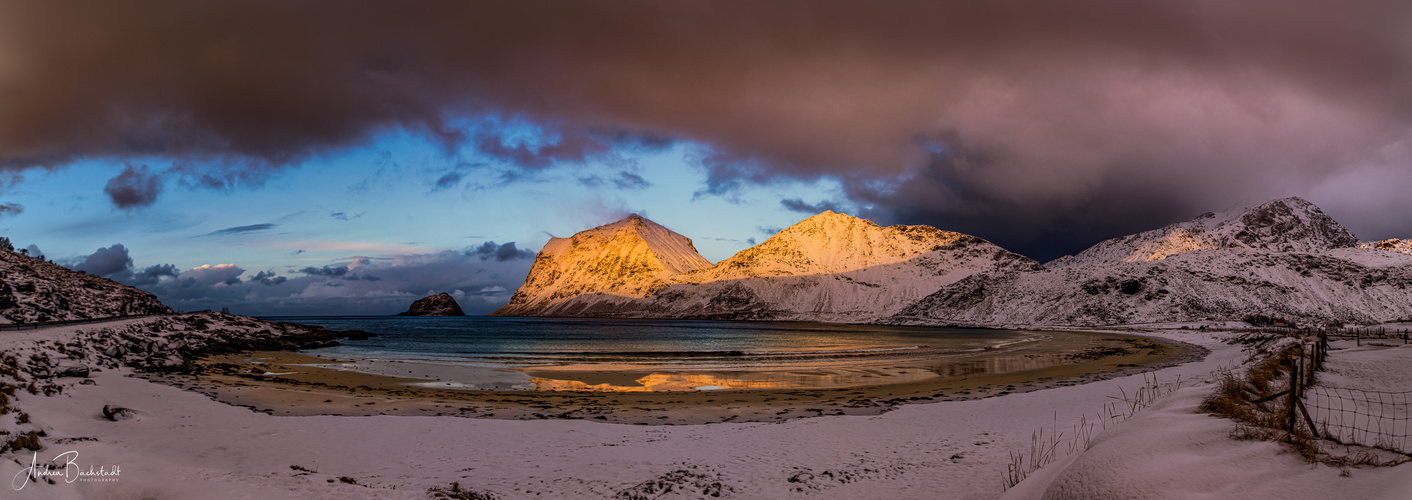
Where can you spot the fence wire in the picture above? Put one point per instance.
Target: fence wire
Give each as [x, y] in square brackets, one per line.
[1375, 419]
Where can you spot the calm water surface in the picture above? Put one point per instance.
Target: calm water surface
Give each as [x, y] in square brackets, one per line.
[478, 352]
[555, 341]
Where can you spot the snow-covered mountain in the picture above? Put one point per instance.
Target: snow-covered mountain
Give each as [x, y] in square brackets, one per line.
[1392, 245]
[1281, 259]
[1283, 225]
[1348, 285]
[830, 267]
[33, 290]
[633, 257]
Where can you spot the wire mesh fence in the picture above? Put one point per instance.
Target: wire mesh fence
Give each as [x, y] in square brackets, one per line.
[1375, 419]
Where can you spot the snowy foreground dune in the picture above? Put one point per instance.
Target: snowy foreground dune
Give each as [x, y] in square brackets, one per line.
[173, 443]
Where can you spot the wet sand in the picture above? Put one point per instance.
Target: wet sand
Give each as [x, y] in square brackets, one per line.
[285, 383]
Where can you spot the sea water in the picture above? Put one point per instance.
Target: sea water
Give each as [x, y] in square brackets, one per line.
[554, 341]
[558, 353]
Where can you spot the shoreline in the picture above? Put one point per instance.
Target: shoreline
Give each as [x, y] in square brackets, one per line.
[290, 386]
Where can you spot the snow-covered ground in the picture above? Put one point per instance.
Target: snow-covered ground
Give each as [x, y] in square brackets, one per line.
[183, 444]
[1171, 451]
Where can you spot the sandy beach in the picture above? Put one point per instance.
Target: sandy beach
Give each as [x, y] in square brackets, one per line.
[288, 383]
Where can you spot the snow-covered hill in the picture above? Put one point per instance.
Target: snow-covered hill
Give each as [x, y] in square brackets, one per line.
[1283, 225]
[1282, 259]
[33, 290]
[1351, 286]
[830, 267]
[1391, 245]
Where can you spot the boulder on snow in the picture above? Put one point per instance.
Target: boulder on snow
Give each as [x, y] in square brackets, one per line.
[71, 370]
[117, 413]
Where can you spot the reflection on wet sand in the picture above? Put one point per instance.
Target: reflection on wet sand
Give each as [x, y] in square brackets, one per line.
[698, 381]
[666, 394]
[877, 372]
[997, 364]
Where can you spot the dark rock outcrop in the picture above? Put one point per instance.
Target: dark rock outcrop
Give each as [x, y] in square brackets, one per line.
[441, 304]
[35, 290]
[118, 413]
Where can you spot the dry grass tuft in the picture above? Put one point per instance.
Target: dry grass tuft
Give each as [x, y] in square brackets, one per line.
[1045, 449]
[454, 492]
[1257, 401]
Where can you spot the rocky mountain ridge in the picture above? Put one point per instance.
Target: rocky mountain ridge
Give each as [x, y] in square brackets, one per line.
[1352, 285]
[633, 257]
[1398, 245]
[1283, 259]
[1283, 225]
[829, 267]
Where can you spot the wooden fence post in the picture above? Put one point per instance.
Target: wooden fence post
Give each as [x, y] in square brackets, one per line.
[1309, 372]
[1293, 395]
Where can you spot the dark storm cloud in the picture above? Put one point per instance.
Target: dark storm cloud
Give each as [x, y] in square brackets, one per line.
[267, 278]
[324, 271]
[624, 180]
[384, 286]
[449, 180]
[1069, 118]
[490, 249]
[358, 286]
[115, 263]
[134, 187]
[799, 205]
[151, 275]
[104, 262]
[568, 148]
[629, 180]
[243, 229]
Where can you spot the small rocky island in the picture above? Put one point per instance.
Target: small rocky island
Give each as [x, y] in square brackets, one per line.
[441, 304]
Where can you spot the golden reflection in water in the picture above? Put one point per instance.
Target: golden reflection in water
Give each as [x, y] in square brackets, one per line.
[694, 381]
[582, 379]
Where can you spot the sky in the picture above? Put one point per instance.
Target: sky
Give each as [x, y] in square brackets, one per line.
[282, 158]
